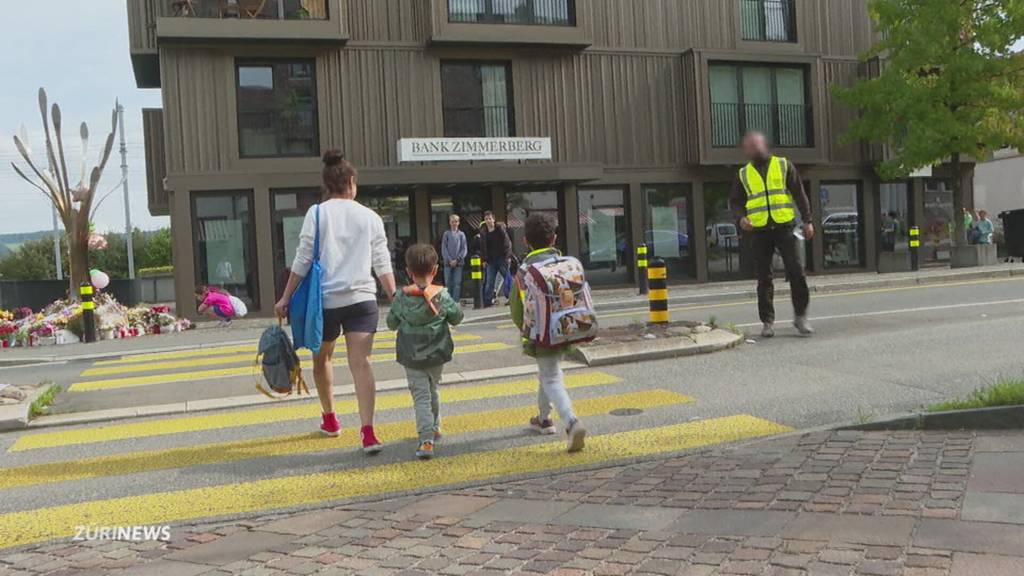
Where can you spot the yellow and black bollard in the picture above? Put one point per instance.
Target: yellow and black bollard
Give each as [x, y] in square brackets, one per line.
[915, 248]
[641, 266]
[476, 274]
[657, 278]
[88, 312]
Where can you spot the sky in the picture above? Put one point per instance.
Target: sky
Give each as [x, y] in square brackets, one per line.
[78, 51]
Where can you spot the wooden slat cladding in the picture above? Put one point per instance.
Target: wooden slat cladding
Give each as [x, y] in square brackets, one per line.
[142, 15]
[395, 21]
[663, 24]
[837, 115]
[156, 166]
[837, 27]
[198, 94]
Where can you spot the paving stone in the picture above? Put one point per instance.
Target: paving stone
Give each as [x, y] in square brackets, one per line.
[849, 528]
[998, 473]
[879, 568]
[447, 505]
[999, 443]
[232, 548]
[974, 565]
[979, 537]
[521, 511]
[308, 523]
[993, 507]
[732, 522]
[630, 517]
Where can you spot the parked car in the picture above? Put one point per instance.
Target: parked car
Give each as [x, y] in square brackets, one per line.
[723, 235]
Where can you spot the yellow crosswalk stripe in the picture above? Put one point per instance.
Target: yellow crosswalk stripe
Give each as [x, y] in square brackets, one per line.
[250, 370]
[29, 526]
[135, 462]
[245, 357]
[284, 413]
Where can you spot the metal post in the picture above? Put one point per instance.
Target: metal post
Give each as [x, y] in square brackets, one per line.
[657, 277]
[56, 247]
[477, 275]
[915, 248]
[641, 266]
[127, 204]
[88, 312]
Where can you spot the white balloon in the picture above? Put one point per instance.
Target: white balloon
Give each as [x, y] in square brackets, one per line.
[99, 280]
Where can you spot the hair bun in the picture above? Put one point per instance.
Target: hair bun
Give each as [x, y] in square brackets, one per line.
[333, 157]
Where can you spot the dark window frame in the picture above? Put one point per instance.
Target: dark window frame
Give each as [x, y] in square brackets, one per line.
[791, 21]
[253, 260]
[741, 112]
[273, 63]
[489, 16]
[509, 89]
[861, 226]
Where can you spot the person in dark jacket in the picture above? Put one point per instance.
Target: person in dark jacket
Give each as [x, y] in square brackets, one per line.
[496, 248]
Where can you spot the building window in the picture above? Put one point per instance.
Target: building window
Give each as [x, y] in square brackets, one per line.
[250, 9]
[277, 113]
[896, 217]
[605, 247]
[667, 232]
[290, 207]
[477, 99]
[768, 20]
[768, 99]
[225, 253]
[842, 222]
[531, 12]
[721, 233]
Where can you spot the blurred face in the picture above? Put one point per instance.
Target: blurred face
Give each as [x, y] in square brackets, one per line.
[755, 146]
[983, 214]
[489, 220]
[454, 222]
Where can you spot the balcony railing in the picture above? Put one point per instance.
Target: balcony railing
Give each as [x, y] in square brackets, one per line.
[478, 122]
[786, 125]
[768, 20]
[528, 12]
[250, 9]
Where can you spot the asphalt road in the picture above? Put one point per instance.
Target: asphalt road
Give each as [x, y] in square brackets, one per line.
[876, 352]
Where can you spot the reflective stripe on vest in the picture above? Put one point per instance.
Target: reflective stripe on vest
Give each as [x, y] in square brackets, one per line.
[772, 198]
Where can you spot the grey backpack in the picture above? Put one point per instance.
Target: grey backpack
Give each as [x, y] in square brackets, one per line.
[280, 364]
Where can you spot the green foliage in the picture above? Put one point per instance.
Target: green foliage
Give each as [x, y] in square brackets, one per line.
[1009, 393]
[33, 260]
[38, 407]
[156, 250]
[155, 270]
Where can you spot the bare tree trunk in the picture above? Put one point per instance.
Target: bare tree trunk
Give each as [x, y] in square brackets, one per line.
[959, 230]
[78, 245]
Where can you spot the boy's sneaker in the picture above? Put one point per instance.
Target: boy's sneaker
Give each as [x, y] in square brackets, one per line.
[437, 434]
[577, 435]
[546, 427]
[371, 445]
[330, 425]
[426, 450]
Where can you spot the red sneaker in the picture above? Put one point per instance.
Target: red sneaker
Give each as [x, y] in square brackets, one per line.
[371, 445]
[330, 426]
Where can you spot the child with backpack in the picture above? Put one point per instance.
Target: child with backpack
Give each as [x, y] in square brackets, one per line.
[552, 307]
[422, 314]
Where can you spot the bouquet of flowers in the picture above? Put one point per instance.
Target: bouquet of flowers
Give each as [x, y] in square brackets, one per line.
[22, 313]
[7, 329]
[6, 315]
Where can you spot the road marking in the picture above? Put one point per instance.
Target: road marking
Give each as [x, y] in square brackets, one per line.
[31, 526]
[250, 370]
[182, 457]
[899, 311]
[298, 411]
[178, 360]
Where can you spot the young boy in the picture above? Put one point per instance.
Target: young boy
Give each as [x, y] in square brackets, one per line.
[422, 314]
[540, 236]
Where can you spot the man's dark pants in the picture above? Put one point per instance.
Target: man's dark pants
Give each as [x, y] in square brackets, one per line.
[765, 243]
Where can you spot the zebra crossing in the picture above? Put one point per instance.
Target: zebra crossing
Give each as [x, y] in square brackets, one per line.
[196, 466]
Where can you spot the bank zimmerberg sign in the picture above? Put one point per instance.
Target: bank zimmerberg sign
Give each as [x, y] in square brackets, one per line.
[467, 149]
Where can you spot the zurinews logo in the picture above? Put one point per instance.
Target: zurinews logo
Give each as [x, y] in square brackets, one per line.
[122, 533]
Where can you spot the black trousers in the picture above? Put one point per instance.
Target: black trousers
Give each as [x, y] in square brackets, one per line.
[765, 243]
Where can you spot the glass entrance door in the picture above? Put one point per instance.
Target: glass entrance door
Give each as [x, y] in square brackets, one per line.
[522, 204]
[395, 206]
[604, 235]
[668, 227]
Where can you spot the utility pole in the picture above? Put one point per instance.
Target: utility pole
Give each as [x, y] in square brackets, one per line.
[127, 203]
[56, 247]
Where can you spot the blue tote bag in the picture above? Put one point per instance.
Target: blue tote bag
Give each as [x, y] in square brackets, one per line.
[306, 311]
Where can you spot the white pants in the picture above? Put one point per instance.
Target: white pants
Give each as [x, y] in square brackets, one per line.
[552, 389]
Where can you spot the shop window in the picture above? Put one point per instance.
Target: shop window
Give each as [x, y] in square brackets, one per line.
[937, 233]
[667, 230]
[225, 253]
[755, 97]
[394, 205]
[604, 235]
[469, 203]
[522, 204]
[842, 224]
[721, 233]
[477, 99]
[290, 207]
[277, 110]
[894, 216]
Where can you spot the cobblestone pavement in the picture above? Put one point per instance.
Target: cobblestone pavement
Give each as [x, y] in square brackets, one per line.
[833, 503]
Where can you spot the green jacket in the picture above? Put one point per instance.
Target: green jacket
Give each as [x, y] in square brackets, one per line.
[515, 303]
[422, 320]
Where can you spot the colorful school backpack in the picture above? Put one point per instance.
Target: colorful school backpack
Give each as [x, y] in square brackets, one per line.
[557, 307]
[280, 365]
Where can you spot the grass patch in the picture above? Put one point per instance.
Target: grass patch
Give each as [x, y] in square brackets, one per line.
[38, 408]
[1009, 393]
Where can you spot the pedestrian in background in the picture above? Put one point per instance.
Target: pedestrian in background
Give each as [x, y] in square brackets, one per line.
[454, 249]
[353, 246]
[422, 314]
[496, 247]
[766, 196]
[983, 228]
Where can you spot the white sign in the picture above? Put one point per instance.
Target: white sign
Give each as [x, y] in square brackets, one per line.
[466, 149]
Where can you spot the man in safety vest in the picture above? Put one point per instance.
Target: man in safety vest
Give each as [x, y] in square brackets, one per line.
[766, 197]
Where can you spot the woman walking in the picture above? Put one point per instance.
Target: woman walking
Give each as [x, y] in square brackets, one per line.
[352, 245]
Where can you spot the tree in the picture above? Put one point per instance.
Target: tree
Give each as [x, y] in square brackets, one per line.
[76, 204]
[950, 84]
[32, 260]
[157, 251]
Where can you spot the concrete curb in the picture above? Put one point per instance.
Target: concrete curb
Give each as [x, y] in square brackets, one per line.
[644, 350]
[259, 400]
[994, 418]
[16, 416]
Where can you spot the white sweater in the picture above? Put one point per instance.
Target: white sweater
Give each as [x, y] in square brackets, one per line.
[352, 242]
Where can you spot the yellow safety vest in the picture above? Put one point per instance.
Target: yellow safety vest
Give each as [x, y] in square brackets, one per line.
[772, 198]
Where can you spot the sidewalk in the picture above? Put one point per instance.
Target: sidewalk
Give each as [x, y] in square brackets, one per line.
[818, 504]
[249, 329]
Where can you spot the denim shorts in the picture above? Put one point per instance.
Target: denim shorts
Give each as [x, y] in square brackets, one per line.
[361, 318]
